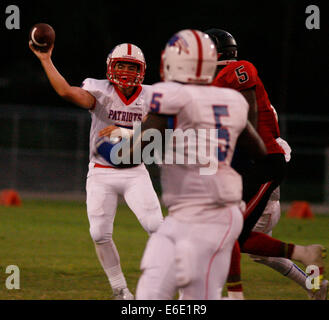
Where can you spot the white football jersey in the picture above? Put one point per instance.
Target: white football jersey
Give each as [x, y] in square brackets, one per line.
[112, 108]
[187, 190]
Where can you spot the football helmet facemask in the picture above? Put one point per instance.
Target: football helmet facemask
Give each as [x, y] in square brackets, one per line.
[190, 56]
[226, 45]
[129, 53]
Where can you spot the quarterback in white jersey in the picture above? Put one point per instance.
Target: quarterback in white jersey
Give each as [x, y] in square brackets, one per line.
[112, 108]
[191, 250]
[120, 101]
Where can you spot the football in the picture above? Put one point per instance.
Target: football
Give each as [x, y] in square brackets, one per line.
[42, 36]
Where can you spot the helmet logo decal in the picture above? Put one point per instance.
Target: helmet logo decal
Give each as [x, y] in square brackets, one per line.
[180, 43]
[190, 56]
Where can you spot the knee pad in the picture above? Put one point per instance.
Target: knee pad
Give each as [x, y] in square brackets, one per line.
[275, 195]
[151, 222]
[99, 234]
[273, 207]
[269, 218]
[184, 273]
[146, 291]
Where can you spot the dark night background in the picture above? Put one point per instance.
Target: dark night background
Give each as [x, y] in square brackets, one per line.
[292, 61]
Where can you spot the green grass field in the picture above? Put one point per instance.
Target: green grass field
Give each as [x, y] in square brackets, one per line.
[50, 243]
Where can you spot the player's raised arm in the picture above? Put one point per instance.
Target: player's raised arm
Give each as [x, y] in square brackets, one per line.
[76, 95]
[250, 141]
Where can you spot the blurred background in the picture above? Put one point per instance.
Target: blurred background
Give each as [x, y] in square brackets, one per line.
[44, 140]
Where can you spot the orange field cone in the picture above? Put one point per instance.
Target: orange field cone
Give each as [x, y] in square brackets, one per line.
[10, 197]
[301, 210]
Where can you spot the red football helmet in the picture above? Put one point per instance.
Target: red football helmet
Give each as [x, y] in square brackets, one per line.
[126, 52]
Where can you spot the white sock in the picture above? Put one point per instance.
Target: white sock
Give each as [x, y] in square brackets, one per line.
[116, 277]
[108, 256]
[298, 275]
[287, 268]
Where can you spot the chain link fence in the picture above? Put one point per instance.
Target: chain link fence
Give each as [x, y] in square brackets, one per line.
[45, 150]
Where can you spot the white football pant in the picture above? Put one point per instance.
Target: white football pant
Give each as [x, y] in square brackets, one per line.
[104, 185]
[192, 257]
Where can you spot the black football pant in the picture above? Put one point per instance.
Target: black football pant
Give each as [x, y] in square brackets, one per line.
[259, 181]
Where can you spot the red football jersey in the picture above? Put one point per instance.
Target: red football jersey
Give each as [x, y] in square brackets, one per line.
[242, 75]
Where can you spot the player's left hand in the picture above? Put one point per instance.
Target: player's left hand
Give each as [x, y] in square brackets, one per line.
[41, 55]
[107, 131]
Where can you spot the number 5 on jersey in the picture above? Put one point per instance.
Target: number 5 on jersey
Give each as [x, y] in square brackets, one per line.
[222, 133]
[155, 102]
[241, 75]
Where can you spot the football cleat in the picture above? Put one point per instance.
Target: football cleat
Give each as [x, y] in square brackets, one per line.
[321, 294]
[123, 294]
